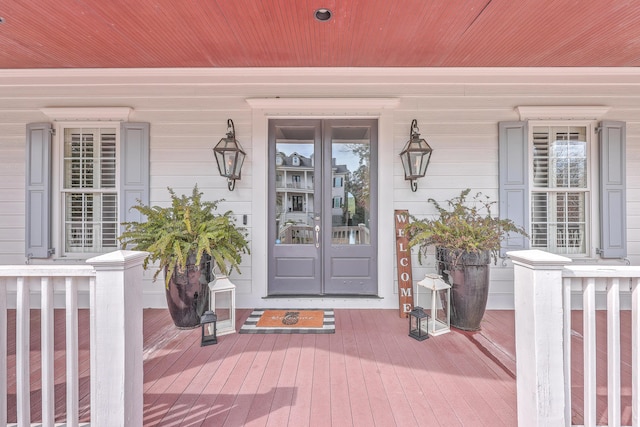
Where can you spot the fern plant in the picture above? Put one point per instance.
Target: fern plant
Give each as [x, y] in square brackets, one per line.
[462, 226]
[189, 226]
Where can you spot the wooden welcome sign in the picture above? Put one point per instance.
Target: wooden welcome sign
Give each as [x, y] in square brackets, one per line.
[403, 254]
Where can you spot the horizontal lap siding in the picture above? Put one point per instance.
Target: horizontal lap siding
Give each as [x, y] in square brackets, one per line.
[458, 116]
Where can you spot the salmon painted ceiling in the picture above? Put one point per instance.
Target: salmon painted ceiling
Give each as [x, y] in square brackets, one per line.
[287, 33]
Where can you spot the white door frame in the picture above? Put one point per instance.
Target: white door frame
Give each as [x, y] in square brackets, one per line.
[264, 109]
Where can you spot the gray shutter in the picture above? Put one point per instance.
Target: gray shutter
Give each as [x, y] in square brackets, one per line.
[514, 181]
[134, 169]
[613, 218]
[38, 191]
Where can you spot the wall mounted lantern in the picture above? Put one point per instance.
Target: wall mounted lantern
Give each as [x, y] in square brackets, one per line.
[208, 322]
[229, 156]
[415, 156]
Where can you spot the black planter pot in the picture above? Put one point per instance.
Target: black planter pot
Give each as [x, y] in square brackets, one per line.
[188, 293]
[469, 280]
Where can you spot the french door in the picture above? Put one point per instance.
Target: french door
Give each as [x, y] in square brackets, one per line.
[322, 207]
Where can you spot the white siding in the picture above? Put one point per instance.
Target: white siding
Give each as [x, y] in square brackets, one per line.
[457, 112]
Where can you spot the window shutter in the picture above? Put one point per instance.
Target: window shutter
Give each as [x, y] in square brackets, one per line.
[38, 191]
[613, 218]
[134, 169]
[514, 182]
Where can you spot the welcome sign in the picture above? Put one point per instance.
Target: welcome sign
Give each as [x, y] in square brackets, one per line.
[403, 254]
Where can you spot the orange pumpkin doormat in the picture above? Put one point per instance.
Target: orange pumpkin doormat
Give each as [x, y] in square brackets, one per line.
[292, 321]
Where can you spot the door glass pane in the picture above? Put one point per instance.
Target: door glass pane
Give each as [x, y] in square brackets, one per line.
[350, 185]
[294, 180]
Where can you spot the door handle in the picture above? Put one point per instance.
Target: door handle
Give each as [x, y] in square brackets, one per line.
[317, 236]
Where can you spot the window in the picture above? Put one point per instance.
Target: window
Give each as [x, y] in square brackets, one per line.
[561, 191]
[89, 189]
[296, 203]
[337, 202]
[337, 181]
[565, 183]
[75, 204]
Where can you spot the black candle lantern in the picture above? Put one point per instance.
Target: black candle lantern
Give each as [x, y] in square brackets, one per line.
[208, 322]
[418, 324]
[229, 156]
[415, 156]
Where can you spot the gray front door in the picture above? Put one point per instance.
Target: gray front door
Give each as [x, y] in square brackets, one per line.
[322, 204]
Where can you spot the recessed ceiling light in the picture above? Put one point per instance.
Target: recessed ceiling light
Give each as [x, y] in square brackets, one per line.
[322, 15]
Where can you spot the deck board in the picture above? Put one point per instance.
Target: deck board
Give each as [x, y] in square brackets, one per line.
[368, 373]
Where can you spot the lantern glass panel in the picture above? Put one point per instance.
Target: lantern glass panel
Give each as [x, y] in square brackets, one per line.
[222, 300]
[221, 305]
[238, 164]
[229, 163]
[220, 161]
[424, 162]
[208, 324]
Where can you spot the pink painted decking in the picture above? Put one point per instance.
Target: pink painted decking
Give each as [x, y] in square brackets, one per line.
[368, 373]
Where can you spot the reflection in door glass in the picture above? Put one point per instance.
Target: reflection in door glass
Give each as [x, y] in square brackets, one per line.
[294, 185]
[350, 189]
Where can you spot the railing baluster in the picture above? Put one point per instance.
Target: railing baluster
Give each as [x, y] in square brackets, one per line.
[46, 352]
[613, 351]
[23, 400]
[71, 308]
[589, 331]
[635, 352]
[3, 352]
[566, 307]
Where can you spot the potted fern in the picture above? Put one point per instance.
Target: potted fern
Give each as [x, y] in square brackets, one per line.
[466, 236]
[185, 239]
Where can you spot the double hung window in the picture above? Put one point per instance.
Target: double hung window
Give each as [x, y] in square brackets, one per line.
[561, 190]
[89, 189]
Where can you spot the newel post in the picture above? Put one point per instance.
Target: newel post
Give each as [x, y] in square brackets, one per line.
[539, 338]
[116, 339]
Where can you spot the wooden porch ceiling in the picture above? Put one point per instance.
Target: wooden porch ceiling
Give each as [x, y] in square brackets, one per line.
[285, 33]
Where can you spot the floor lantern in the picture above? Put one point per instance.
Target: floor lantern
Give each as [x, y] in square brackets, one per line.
[222, 300]
[440, 293]
[418, 324]
[208, 323]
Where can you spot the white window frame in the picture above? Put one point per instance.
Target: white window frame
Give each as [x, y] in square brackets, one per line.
[58, 184]
[592, 196]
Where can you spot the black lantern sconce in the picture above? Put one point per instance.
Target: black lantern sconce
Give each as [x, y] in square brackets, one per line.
[229, 156]
[209, 333]
[415, 156]
[418, 324]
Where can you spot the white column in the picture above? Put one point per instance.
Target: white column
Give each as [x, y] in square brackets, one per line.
[539, 338]
[116, 340]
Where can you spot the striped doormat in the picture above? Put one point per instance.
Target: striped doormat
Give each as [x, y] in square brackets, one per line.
[290, 321]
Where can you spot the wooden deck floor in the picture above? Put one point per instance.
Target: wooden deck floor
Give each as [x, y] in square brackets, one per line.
[368, 373]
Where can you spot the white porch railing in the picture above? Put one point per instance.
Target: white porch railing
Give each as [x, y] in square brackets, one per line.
[115, 301]
[543, 288]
